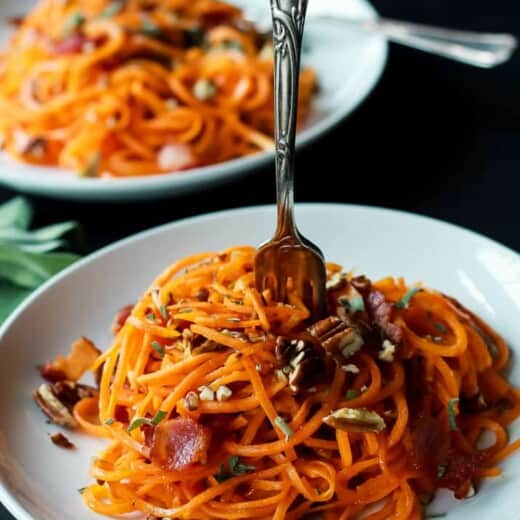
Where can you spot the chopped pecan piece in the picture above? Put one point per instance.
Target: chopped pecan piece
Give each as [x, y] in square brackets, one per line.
[362, 284]
[57, 400]
[301, 360]
[355, 420]
[52, 407]
[60, 440]
[337, 337]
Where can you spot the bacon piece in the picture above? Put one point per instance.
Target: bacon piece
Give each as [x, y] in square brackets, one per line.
[121, 317]
[381, 311]
[179, 443]
[82, 355]
[72, 44]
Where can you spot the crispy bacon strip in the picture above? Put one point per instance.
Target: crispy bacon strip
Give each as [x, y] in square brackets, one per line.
[179, 443]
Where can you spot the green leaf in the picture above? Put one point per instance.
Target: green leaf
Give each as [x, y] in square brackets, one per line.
[236, 468]
[437, 515]
[404, 302]
[286, 429]
[29, 269]
[10, 297]
[451, 414]
[46, 237]
[15, 213]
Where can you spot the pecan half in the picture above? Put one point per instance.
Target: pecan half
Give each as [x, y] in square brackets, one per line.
[302, 360]
[52, 407]
[355, 420]
[337, 337]
[57, 400]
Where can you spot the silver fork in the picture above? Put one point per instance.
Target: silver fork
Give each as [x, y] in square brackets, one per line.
[289, 263]
[480, 49]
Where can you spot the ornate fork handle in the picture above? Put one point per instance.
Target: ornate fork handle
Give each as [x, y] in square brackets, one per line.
[288, 24]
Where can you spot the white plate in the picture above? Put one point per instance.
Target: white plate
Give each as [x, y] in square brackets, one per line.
[348, 66]
[39, 481]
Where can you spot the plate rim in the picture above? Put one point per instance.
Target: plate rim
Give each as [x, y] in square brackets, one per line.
[163, 185]
[8, 499]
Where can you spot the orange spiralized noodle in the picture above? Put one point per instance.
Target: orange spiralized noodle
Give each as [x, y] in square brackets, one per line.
[202, 327]
[137, 87]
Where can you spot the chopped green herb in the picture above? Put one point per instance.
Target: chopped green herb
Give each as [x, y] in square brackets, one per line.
[437, 515]
[352, 305]
[158, 348]
[193, 37]
[92, 168]
[232, 46]
[222, 474]
[112, 9]
[284, 427]
[137, 423]
[404, 302]
[150, 28]
[161, 414]
[81, 490]
[110, 421]
[73, 22]
[351, 394]
[441, 470]
[236, 468]
[440, 326]
[164, 312]
[451, 413]
[150, 316]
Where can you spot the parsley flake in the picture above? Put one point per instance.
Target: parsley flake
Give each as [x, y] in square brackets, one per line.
[112, 9]
[451, 413]
[284, 427]
[440, 326]
[110, 421]
[158, 348]
[351, 394]
[81, 490]
[164, 312]
[73, 22]
[140, 421]
[404, 302]
[150, 316]
[236, 468]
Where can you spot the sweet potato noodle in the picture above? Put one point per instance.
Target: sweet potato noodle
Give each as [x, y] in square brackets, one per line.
[135, 87]
[218, 402]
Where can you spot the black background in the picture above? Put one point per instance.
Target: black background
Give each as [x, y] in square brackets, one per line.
[435, 137]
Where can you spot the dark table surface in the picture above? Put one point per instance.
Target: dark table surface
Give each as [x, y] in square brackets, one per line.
[435, 137]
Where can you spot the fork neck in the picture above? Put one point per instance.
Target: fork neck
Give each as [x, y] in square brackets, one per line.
[288, 24]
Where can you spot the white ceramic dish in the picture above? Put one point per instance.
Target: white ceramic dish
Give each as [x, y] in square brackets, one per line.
[39, 481]
[348, 66]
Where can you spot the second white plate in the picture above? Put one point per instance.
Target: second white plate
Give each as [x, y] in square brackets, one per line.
[348, 64]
